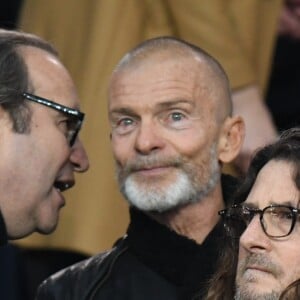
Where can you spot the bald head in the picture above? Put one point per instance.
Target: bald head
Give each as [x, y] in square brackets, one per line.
[169, 106]
[210, 77]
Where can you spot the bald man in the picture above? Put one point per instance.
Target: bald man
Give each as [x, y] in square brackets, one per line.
[171, 131]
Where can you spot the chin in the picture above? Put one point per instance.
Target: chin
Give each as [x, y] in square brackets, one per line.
[47, 228]
[261, 288]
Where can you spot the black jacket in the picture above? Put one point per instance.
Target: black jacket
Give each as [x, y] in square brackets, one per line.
[151, 262]
[3, 233]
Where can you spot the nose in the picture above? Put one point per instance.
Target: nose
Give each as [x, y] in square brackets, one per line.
[254, 238]
[148, 138]
[79, 157]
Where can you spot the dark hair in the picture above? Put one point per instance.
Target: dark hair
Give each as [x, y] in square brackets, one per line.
[292, 291]
[14, 79]
[286, 148]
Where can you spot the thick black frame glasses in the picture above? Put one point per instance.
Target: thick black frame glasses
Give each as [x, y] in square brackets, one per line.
[276, 220]
[76, 117]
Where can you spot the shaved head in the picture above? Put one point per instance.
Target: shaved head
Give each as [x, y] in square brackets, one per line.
[211, 77]
[171, 126]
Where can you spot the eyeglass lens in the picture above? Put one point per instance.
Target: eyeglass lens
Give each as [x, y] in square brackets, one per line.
[73, 127]
[276, 221]
[75, 117]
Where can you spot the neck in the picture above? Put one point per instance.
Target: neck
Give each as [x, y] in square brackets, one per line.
[196, 220]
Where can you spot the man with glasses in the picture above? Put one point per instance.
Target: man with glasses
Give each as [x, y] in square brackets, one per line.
[267, 227]
[40, 149]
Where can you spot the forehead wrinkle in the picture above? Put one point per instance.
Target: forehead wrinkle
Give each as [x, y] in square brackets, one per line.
[174, 101]
[209, 83]
[158, 88]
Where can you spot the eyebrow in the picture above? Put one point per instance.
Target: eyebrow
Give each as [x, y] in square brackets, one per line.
[123, 111]
[171, 103]
[164, 105]
[249, 205]
[294, 203]
[286, 203]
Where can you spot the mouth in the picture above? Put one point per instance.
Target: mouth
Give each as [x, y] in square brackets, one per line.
[63, 185]
[258, 269]
[153, 166]
[153, 170]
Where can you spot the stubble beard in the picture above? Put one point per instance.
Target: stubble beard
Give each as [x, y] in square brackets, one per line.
[247, 295]
[243, 292]
[187, 187]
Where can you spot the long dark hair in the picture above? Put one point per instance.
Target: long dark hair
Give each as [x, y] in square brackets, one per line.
[286, 148]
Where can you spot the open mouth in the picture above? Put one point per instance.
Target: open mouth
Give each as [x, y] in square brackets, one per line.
[63, 185]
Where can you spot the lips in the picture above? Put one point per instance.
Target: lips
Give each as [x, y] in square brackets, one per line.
[157, 170]
[261, 269]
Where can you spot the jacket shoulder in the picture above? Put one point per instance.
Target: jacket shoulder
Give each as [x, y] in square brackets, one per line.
[89, 272]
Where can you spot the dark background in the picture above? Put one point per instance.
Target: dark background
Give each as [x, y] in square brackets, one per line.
[9, 11]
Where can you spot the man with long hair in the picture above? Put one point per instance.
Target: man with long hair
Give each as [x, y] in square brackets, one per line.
[266, 224]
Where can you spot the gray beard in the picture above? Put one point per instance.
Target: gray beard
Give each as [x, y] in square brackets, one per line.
[184, 190]
[242, 290]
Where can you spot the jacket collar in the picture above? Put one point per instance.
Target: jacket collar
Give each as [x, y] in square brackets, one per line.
[180, 260]
[3, 232]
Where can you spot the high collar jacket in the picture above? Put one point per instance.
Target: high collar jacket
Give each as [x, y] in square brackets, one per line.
[3, 233]
[151, 262]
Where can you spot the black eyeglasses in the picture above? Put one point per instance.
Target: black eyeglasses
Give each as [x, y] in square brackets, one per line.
[75, 116]
[276, 220]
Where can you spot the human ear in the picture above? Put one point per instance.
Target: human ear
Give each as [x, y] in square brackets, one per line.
[231, 139]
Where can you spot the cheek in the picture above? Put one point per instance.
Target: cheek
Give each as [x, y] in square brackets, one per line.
[55, 149]
[199, 155]
[241, 253]
[187, 143]
[289, 260]
[194, 142]
[123, 148]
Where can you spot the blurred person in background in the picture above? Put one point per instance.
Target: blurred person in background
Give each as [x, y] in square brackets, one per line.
[283, 91]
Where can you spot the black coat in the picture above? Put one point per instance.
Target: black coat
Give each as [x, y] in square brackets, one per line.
[3, 233]
[151, 262]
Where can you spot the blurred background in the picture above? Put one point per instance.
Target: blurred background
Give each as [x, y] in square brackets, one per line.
[260, 51]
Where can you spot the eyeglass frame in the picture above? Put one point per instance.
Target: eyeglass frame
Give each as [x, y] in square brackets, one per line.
[61, 108]
[254, 211]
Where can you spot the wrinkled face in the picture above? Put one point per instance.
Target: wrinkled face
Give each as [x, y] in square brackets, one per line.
[36, 165]
[268, 265]
[164, 133]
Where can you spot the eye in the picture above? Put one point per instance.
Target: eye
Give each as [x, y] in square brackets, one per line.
[123, 125]
[64, 125]
[281, 213]
[175, 120]
[125, 122]
[248, 213]
[177, 116]
[67, 127]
